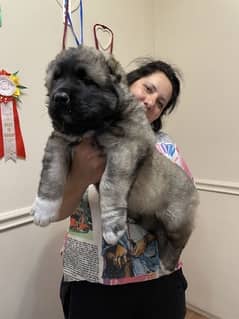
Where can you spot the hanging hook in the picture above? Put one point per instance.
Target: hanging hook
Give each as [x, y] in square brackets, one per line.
[103, 28]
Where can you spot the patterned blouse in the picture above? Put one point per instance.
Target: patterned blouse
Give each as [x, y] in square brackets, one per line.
[135, 258]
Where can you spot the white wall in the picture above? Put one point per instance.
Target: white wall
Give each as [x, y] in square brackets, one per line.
[30, 37]
[31, 272]
[200, 37]
[32, 34]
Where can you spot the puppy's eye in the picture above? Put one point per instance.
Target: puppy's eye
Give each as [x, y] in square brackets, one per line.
[57, 74]
[80, 73]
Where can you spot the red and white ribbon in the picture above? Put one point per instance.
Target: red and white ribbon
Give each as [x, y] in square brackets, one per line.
[11, 141]
[8, 131]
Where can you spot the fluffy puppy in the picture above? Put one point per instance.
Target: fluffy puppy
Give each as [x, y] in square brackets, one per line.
[88, 93]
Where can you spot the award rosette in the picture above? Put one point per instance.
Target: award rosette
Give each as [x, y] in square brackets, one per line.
[11, 140]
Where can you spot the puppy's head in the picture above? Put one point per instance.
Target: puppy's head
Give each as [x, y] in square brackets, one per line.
[86, 89]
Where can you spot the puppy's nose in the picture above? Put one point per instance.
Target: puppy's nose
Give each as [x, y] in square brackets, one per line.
[62, 98]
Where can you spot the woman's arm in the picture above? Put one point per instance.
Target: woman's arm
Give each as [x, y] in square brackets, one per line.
[88, 165]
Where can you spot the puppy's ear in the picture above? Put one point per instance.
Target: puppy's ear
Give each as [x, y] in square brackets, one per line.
[116, 70]
[49, 74]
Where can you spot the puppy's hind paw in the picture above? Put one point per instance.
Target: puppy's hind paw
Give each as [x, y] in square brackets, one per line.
[45, 211]
[165, 269]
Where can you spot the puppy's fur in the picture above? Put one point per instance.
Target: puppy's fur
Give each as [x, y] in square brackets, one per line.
[88, 93]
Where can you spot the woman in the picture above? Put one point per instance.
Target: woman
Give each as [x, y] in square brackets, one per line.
[132, 285]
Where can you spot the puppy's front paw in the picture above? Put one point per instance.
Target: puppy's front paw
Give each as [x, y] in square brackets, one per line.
[114, 225]
[45, 211]
[111, 236]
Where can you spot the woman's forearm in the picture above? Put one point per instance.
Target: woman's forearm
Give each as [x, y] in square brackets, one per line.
[73, 193]
[87, 167]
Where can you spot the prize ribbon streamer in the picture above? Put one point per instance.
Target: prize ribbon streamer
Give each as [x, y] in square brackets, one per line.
[68, 20]
[11, 140]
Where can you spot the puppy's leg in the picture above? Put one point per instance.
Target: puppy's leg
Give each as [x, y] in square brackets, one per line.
[178, 225]
[53, 176]
[114, 187]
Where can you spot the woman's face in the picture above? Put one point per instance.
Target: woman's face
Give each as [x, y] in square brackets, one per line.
[155, 91]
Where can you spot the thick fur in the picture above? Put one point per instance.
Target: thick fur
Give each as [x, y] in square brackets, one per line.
[88, 94]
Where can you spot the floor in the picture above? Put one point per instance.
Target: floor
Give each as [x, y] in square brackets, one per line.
[194, 315]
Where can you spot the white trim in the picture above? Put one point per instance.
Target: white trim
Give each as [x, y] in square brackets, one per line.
[230, 188]
[15, 218]
[201, 312]
[19, 217]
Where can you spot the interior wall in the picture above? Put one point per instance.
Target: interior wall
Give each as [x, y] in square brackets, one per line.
[199, 37]
[31, 36]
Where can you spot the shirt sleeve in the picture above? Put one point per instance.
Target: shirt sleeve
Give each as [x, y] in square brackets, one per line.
[168, 148]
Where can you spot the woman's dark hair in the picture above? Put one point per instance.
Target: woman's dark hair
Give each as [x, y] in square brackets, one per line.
[148, 68]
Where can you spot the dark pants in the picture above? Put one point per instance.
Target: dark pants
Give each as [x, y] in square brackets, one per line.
[162, 298]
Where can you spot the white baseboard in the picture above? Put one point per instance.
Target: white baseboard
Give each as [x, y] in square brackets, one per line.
[202, 312]
[15, 218]
[214, 186]
[22, 216]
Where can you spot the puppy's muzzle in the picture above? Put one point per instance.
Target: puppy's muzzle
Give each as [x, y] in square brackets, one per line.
[62, 98]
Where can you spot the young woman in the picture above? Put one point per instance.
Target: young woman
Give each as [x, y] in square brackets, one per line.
[130, 284]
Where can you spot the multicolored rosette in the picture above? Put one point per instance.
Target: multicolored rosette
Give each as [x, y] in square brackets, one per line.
[11, 140]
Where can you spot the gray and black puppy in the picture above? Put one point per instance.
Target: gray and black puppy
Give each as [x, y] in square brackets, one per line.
[88, 93]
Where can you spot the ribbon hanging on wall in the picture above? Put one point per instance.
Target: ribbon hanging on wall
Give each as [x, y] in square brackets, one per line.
[68, 22]
[104, 37]
[11, 140]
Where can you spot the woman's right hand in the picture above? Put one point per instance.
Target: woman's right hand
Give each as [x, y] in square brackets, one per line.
[88, 165]
[88, 162]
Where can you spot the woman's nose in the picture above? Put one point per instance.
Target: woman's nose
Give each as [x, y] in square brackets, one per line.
[149, 102]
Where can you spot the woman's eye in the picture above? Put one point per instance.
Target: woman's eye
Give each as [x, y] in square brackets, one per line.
[148, 88]
[160, 105]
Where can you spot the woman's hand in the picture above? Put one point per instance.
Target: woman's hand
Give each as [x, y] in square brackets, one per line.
[88, 164]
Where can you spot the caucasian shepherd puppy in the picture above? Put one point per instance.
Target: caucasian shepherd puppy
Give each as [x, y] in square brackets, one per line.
[88, 92]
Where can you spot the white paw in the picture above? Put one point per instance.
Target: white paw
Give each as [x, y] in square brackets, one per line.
[45, 211]
[112, 237]
[114, 224]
